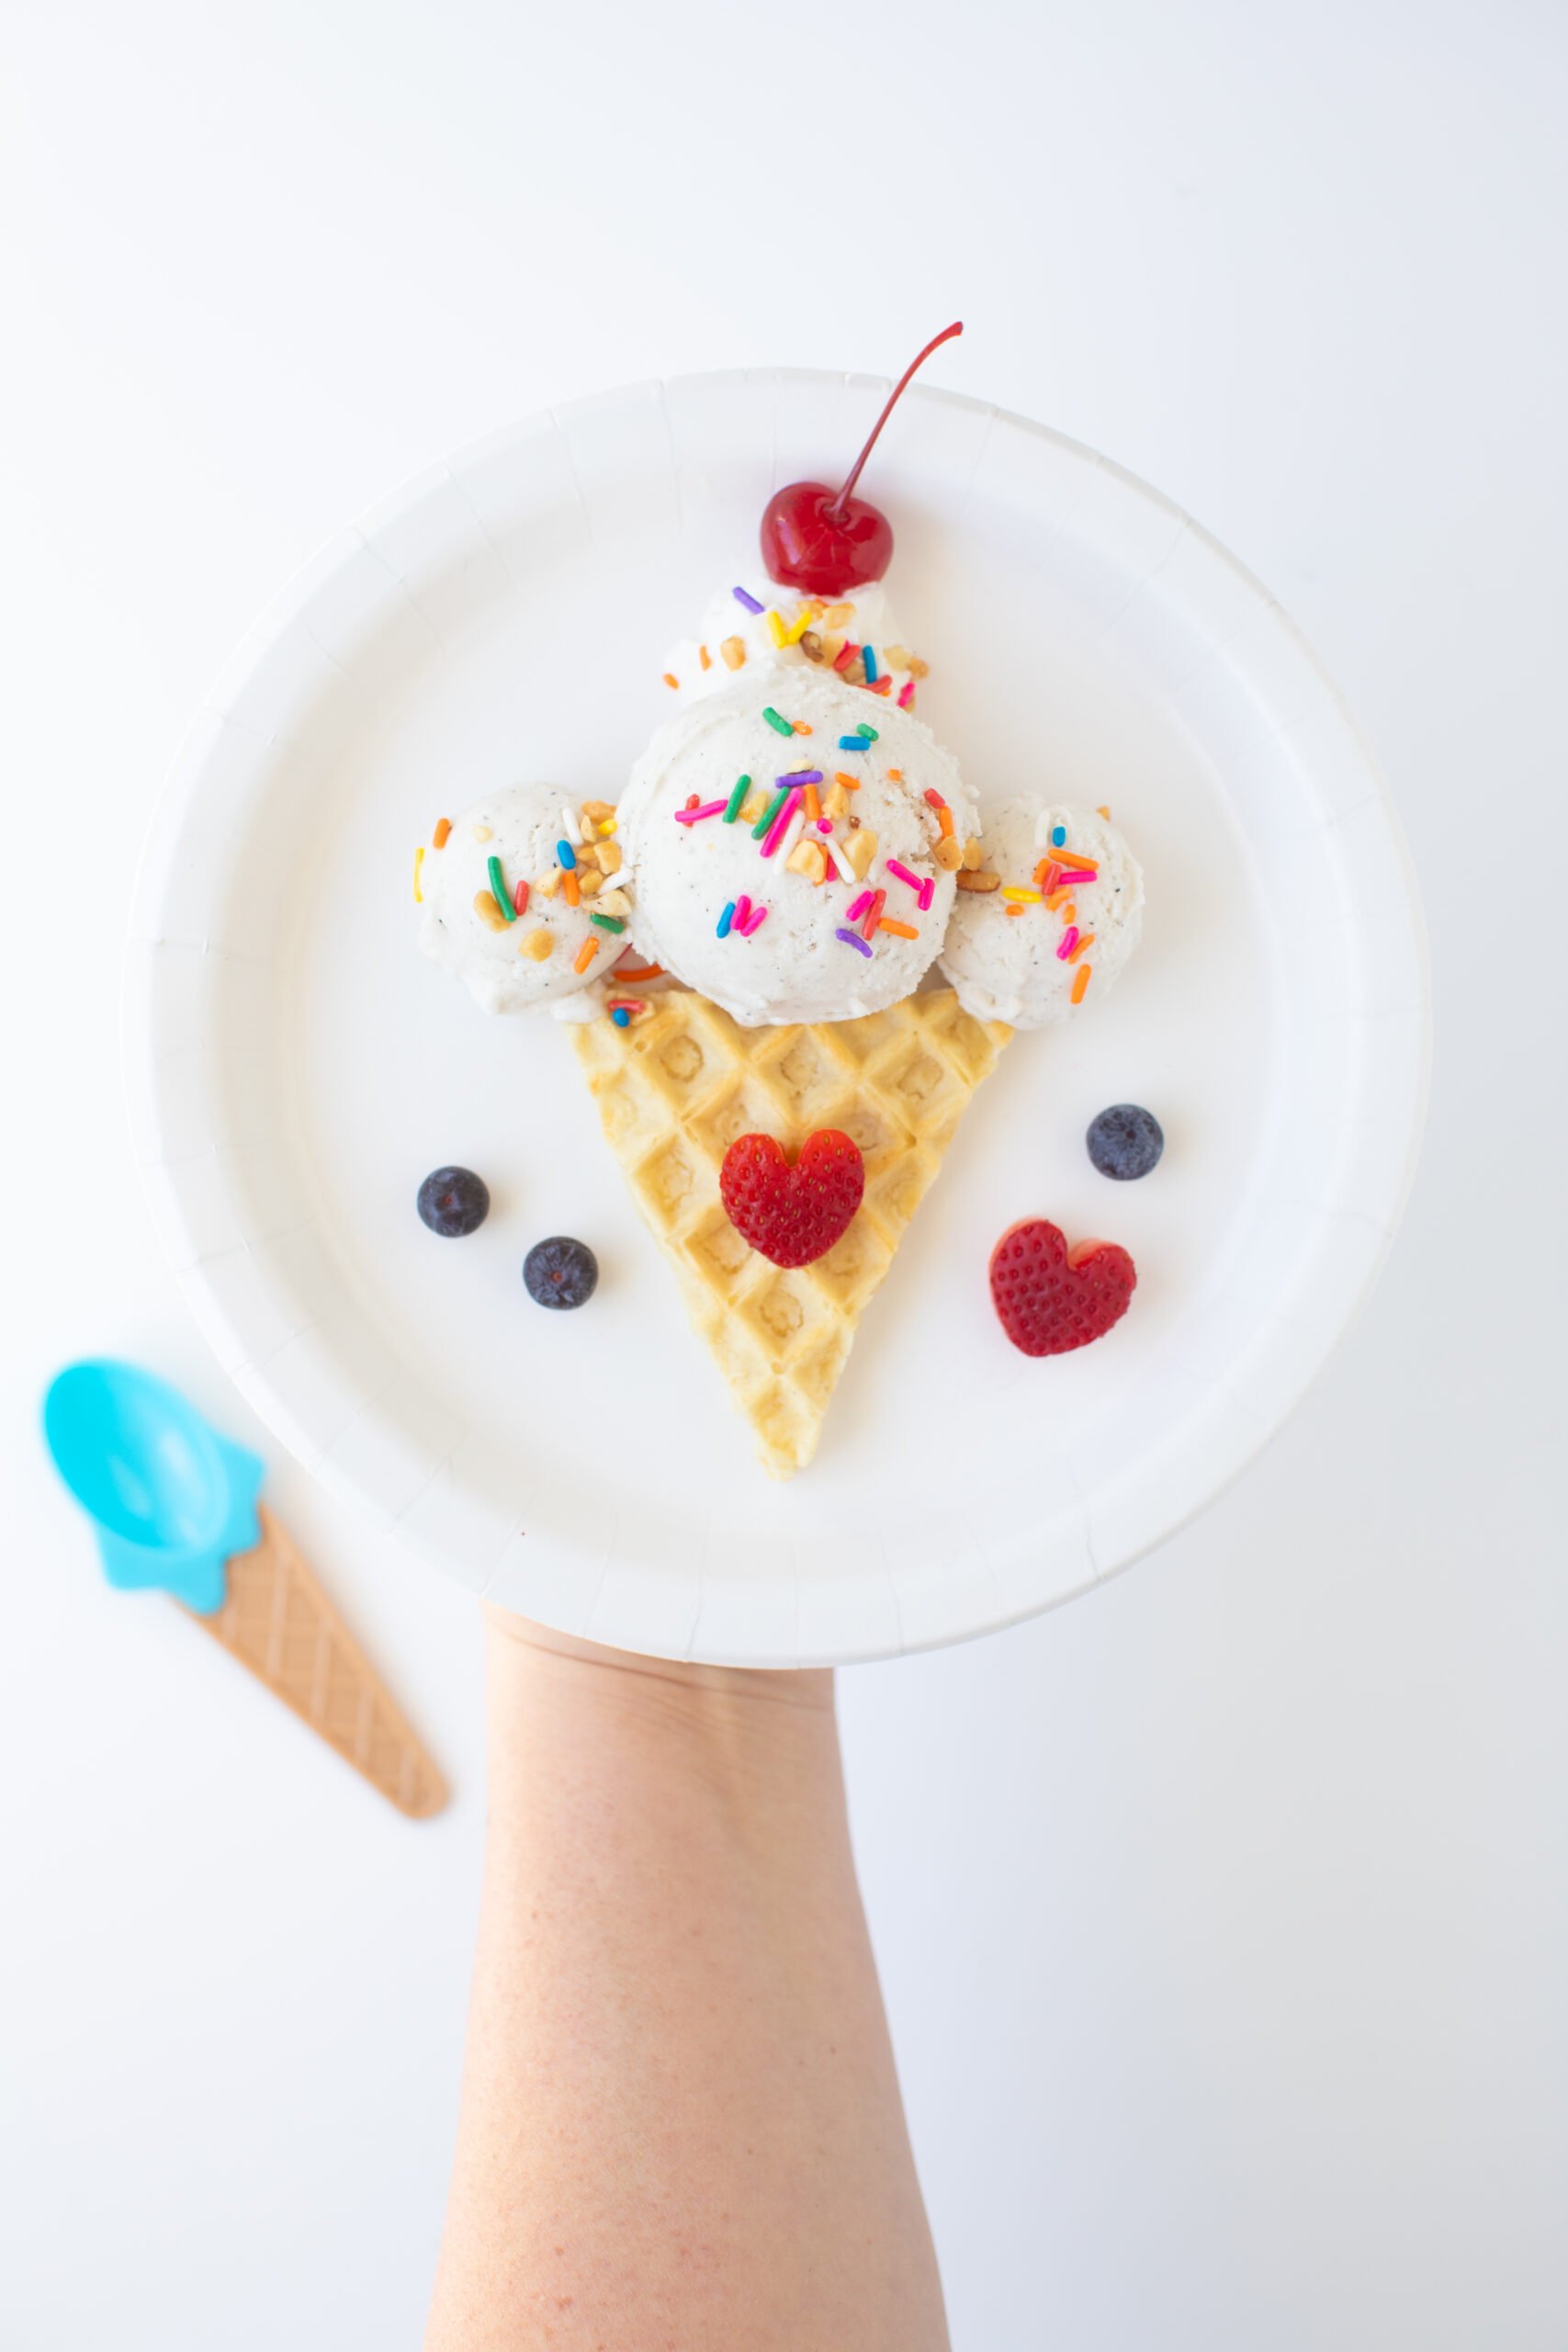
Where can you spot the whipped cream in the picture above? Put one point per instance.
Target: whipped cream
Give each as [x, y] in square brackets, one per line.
[794, 966]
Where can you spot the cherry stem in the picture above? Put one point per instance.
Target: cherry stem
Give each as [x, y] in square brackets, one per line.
[918, 360]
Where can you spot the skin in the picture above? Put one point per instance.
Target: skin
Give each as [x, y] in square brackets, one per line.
[681, 2126]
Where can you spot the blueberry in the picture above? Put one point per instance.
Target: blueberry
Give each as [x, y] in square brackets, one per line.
[454, 1201]
[560, 1271]
[1125, 1141]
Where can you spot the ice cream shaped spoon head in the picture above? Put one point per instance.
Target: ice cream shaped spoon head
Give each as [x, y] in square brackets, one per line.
[825, 542]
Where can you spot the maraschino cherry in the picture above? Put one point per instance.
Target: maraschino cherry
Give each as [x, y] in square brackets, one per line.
[825, 542]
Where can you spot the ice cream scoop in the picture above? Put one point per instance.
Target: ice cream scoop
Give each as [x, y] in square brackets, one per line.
[522, 901]
[793, 845]
[1046, 920]
[751, 625]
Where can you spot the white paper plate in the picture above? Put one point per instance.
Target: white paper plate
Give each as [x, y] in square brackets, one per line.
[296, 1067]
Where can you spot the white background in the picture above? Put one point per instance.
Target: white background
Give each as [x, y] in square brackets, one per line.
[1224, 1915]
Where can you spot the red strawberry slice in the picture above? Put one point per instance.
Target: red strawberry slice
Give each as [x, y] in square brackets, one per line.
[792, 1215]
[1051, 1298]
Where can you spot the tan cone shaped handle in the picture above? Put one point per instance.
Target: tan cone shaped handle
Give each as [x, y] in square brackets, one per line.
[277, 1620]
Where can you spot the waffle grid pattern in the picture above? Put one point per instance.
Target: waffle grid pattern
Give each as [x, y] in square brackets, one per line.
[277, 1620]
[677, 1088]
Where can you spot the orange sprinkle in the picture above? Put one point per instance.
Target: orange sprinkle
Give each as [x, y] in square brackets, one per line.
[703, 658]
[1012, 911]
[1076, 949]
[442, 826]
[571, 890]
[642, 972]
[850, 783]
[1081, 982]
[585, 954]
[813, 806]
[944, 819]
[670, 681]
[900, 930]
[1105, 813]
[895, 775]
[1070, 914]
[800, 727]
[1061, 896]
[1078, 865]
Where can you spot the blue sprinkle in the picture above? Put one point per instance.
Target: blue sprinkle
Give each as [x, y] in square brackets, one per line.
[869, 657]
[750, 602]
[621, 1017]
[853, 939]
[1059, 836]
[852, 744]
[566, 856]
[725, 919]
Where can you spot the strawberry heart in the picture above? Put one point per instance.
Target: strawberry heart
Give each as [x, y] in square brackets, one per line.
[1050, 1298]
[792, 1215]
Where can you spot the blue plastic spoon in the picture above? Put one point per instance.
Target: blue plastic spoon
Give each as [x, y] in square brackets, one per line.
[170, 1500]
[175, 1507]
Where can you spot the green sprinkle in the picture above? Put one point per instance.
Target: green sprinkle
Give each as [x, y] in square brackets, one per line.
[502, 895]
[743, 786]
[783, 724]
[769, 812]
[609, 922]
[869, 733]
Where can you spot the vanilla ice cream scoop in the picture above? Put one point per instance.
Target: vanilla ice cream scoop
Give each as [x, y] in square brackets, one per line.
[792, 844]
[1046, 922]
[754, 626]
[497, 903]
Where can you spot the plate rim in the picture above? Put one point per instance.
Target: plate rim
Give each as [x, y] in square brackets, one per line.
[1399, 1050]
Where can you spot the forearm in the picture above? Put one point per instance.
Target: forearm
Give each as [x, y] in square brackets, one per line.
[681, 2121]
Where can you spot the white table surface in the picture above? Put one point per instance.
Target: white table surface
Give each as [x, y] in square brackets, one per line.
[1224, 1915]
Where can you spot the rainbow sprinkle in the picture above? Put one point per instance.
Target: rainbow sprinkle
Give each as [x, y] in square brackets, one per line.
[1058, 836]
[928, 892]
[1066, 944]
[1079, 945]
[1081, 983]
[695, 815]
[782, 822]
[757, 917]
[869, 657]
[902, 874]
[845, 655]
[498, 886]
[870, 733]
[906, 693]
[520, 899]
[1021, 896]
[776, 629]
[742, 598]
[418, 861]
[566, 856]
[609, 922]
[780, 726]
[742, 912]
[725, 919]
[900, 930]
[853, 939]
[621, 1015]
[854, 743]
[860, 905]
[732, 805]
[442, 828]
[764, 823]
[802, 776]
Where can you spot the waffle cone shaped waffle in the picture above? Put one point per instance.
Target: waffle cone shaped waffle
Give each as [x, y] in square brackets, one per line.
[677, 1088]
[276, 1620]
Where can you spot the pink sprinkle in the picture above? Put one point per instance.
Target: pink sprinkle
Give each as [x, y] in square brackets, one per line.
[695, 816]
[757, 917]
[906, 693]
[833, 873]
[742, 909]
[903, 874]
[1077, 879]
[782, 822]
[824, 824]
[928, 892]
[845, 655]
[860, 906]
[1068, 941]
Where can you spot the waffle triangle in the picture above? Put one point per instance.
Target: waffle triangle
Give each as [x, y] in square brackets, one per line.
[677, 1088]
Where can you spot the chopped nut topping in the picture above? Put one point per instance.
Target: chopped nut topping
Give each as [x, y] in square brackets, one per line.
[536, 945]
[972, 881]
[947, 853]
[859, 849]
[809, 858]
[734, 652]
